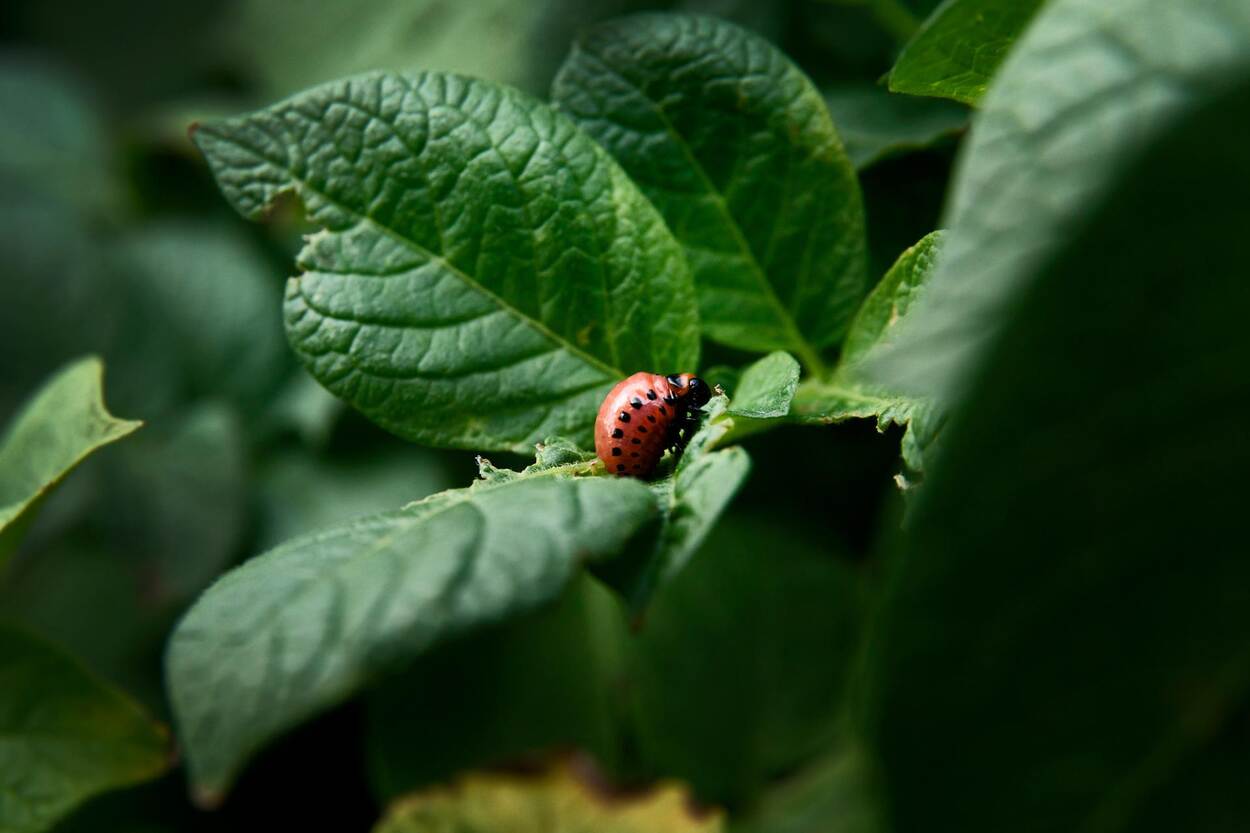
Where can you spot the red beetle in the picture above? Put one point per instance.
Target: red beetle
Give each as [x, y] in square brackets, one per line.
[645, 415]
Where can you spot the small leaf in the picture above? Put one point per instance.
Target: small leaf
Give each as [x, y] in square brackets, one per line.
[486, 272]
[1084, 91]
[765, 388]
[305, 625]
[64, 422]
[848, 394]
[66, 735]
[876, 125]
[735, 147]
[558, 801]
[957, 51]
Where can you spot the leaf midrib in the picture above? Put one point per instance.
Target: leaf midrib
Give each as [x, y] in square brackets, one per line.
[799, 343]
[302, 184]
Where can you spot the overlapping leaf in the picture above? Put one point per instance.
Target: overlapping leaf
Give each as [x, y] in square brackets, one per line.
[735, 147]
[305, 625]
[65, 735]
[1081, 94]
[485, 271]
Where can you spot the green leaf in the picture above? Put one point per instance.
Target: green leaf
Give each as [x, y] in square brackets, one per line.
[848, 393]
[742, 658]
[546, 680]
[485, 273]
[305, 625]
[959, 48]
[62, 424]
[66, 735]
[735, 147]
[560, 800]
[876, 124]
[1083, 92]
[765, 388]
[1070, 611]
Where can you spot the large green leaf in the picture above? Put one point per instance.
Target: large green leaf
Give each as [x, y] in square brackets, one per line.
[485, 271]
[561, 800]
[735, 147]
[1083, 91]
[64, 735]
[1066, 639]
[766, 387]
[308, 623]
[959, 48]
[64, 422]
[848, 393]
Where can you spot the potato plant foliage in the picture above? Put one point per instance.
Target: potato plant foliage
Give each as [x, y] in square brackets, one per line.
[956, 544]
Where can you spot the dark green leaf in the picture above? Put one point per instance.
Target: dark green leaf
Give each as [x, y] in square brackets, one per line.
[833, 795]
[62, 424]
[1086, 88]
[485, 272]
[742, 658]
[1066, 641]
[66, 735]
[550, 679]
[305, 625]
[735, 147]
[959, 48]
[876, 125]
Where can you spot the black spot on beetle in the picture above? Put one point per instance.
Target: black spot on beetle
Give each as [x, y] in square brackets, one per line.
[617, 433]
[651, 418]
[624, 416]
[616, 452]
[642, 429]
[636, 441]
[635, 402]
[620, 467]
[650, 394]
[663, 411]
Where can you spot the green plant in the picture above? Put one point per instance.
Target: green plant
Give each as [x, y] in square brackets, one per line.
[1040, 624]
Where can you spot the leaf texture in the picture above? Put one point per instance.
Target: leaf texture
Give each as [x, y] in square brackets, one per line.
[305, 625]
[485, 271]
[735, 147]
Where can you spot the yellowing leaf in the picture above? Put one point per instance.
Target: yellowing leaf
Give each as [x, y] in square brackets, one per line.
[557, 801]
